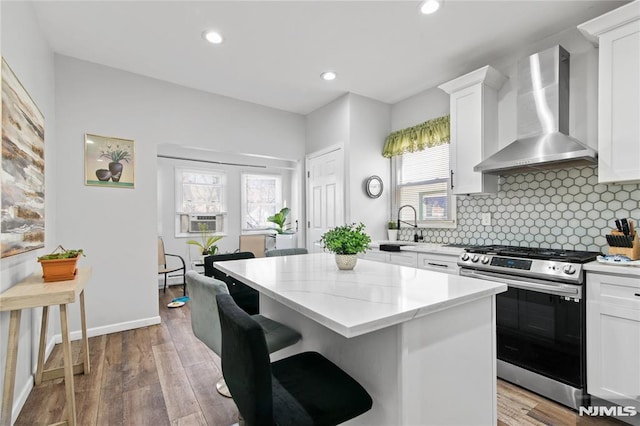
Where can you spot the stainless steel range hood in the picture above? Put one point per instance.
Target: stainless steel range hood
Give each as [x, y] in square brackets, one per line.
[543, 120]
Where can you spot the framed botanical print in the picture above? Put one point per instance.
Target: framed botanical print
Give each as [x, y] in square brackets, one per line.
[109, 161]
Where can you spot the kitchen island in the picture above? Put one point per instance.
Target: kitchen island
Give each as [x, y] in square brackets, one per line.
[421, 342]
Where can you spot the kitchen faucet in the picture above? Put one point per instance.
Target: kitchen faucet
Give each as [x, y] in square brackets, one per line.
[415, 220]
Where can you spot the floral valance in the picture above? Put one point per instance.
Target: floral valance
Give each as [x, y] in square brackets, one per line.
[417, 138]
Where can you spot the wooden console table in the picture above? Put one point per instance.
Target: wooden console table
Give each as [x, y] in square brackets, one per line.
[33, 292]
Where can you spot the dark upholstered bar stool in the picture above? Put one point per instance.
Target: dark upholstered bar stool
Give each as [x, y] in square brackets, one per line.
[285, 252]
[246, 297]
[205, 320]
[303, 389]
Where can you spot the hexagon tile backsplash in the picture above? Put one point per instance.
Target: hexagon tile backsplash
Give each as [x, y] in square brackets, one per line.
[565, 209]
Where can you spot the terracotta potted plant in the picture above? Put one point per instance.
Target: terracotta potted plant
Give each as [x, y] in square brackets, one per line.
[346, 242]
[60, 265]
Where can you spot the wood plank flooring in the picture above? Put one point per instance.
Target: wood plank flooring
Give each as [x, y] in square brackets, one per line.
[163, 375]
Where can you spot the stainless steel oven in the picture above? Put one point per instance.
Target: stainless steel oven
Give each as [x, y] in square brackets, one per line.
[540, 319]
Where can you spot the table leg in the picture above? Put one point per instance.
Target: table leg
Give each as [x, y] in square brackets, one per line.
[85, 339]
[10, 368]
[68, 367]
[43, 343]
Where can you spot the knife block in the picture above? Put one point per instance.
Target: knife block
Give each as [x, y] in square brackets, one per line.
[632, 253]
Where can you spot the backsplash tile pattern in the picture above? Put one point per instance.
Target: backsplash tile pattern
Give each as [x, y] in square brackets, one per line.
[566, 209]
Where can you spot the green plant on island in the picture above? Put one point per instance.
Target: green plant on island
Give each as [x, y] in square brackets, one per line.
[346, 239]
[62, 254]
[207, 244]
[280, 220]
[115, 154]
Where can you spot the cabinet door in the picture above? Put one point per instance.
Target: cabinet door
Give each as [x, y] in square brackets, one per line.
[619, 105]
[375, 255]
[613, 353]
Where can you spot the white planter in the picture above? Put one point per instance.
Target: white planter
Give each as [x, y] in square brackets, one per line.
[346, 262]
[392, 234]
[284, 241]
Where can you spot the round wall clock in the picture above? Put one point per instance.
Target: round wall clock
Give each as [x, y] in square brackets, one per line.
[373, 186]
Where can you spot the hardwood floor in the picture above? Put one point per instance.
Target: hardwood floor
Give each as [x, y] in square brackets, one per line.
[163, 375]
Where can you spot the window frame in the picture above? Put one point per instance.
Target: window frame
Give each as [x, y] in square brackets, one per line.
[395, 194]
[243, 198]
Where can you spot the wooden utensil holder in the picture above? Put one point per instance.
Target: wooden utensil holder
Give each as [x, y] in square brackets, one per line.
[632, 253]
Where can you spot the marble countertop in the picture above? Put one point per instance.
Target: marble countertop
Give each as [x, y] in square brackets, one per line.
[422, 247]
[373, 296]
[596, 266]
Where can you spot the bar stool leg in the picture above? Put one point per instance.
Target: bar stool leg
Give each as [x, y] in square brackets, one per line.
[43, 343]
[68, 367]
[10, 368]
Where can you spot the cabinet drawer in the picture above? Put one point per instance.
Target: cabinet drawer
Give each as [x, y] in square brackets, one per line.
[404, 259]
[438, 263]
[614, 289]
[375, 255]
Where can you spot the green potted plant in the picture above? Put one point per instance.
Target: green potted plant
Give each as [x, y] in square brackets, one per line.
[392, 230]
[116, 154]
[207, 244]
[285, 237]
[60, 265]
[346, 242]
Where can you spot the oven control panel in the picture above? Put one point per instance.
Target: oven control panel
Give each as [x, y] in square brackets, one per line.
[535, 268]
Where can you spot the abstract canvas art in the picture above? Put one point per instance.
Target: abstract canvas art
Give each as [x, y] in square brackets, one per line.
[22, 179]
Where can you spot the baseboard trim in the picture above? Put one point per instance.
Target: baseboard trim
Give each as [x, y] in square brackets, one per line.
[18, 403]
[111, 328]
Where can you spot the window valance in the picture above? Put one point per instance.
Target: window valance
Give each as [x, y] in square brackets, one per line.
[417, 138]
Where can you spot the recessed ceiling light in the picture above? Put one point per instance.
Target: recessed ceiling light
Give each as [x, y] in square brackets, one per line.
[212, 37]
[430, 6]
[328, 75]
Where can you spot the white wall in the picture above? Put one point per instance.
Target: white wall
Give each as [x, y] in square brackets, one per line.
[31, 59]
[328, 125]
[370, 123]
[118, 227]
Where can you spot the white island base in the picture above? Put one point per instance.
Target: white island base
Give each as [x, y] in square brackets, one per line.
[437, 369]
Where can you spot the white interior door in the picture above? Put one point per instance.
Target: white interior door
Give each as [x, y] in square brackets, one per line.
[325, 194]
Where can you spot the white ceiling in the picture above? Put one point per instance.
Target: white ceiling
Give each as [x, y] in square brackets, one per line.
[274, 51]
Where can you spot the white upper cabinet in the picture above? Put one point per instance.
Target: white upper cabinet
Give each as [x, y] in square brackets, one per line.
[474, 128]
[618, 35]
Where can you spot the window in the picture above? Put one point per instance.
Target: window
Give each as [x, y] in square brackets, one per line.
[261, 198]
[200, 191]
[200, 196]
[422, 181]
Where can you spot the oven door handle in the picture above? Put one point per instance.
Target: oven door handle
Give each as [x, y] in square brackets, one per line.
[559, 289]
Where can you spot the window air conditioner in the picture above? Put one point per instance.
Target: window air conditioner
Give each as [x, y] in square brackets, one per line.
[209, 220]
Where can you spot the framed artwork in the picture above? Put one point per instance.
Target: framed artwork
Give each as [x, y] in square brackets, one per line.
[109, 161]
[432, 206]
[22, 176]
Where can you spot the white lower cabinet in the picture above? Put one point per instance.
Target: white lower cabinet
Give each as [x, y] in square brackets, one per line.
[438, 263]
[613, 338]
[375, 255]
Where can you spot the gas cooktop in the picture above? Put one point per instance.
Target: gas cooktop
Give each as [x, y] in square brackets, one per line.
[536, 253]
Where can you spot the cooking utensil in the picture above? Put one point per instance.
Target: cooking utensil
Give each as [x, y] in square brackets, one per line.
[619, 241]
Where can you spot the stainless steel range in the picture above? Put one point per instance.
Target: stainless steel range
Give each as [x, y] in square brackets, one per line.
[540, 320]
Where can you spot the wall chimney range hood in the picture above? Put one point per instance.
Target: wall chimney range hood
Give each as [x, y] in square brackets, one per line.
[543, 120]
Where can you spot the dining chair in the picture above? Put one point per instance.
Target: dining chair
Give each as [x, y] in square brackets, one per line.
[303, 389]
[254, 243]
[285, 252]
[205, 320]
[165, 269]
[246, 297]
